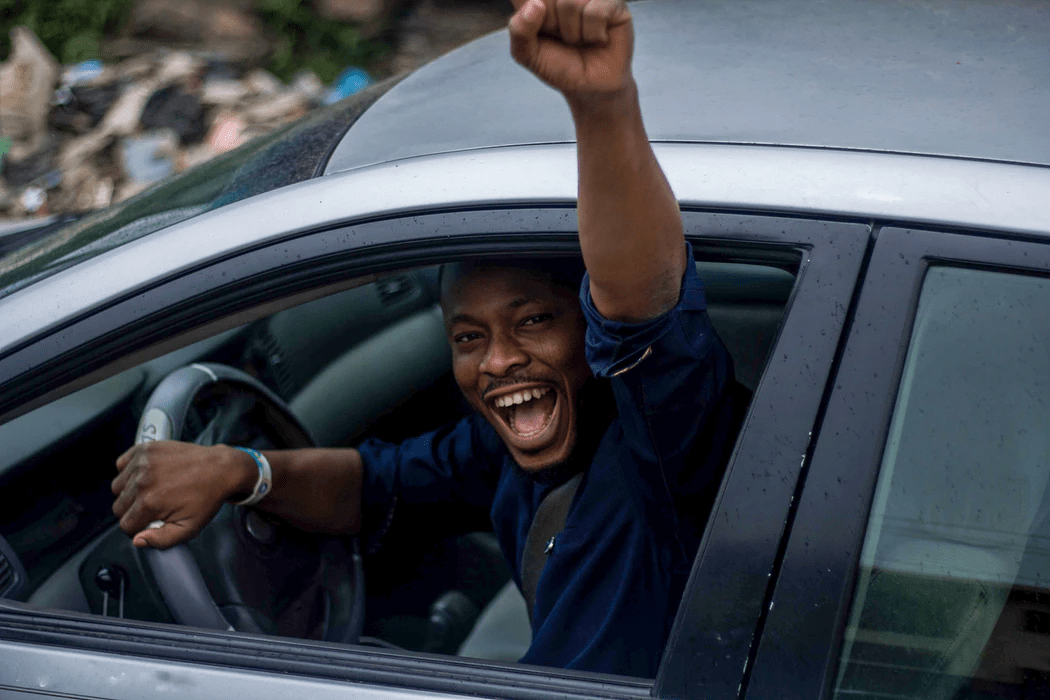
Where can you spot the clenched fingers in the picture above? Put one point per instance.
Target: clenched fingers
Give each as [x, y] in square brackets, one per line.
[570, 17]
[525, 27]
[598, 16]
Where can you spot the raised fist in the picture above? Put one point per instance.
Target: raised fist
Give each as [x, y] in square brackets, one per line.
[579, 47]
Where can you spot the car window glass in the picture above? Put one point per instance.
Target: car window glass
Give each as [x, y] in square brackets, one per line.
[953, 592]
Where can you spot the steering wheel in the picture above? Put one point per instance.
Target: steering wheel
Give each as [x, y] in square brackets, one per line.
[246, 570]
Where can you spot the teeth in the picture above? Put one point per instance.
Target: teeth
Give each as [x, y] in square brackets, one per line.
[520, 397]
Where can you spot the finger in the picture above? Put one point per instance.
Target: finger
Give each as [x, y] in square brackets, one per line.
[124, 459]
[601, 15]
[164, 536]
[595, 23]
[123, 501]
[120, 481]
[136, 518]
[524, 30]
[569, 20]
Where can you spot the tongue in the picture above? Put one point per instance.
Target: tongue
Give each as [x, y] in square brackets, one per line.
[530, 417]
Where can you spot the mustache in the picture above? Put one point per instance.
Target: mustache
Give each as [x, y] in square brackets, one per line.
[511, 381]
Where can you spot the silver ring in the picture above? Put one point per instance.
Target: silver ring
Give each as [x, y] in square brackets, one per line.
[156, 524]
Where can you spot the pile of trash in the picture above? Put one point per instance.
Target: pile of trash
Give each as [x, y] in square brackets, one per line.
[81, 137]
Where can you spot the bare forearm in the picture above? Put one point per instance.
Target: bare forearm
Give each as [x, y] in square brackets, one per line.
[316, 490]
[630, 226]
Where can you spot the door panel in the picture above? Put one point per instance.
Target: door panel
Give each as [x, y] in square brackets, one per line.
[35, 671]
[938, 422]
[708, 650]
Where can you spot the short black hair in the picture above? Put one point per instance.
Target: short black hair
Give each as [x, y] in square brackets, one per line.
[563, 271]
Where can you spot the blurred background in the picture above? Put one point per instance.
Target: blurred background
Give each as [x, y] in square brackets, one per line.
[99, 99]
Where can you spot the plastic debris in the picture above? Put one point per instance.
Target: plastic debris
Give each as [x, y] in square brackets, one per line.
[124, 115]
[307, 84]
[349, 81]
[75, 75]
[227, 132]
[33, 199]
[263, 82]
[284, 107]
[27, 81]
[223, 91]
[18, 172]
[173, 108]
[149, 157]
[81, 72]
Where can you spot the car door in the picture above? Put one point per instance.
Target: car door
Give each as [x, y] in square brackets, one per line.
[917, 561]
[58, 653]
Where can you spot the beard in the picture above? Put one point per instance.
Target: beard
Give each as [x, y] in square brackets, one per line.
[596, 409]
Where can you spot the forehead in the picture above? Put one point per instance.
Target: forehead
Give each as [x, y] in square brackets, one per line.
[477, 290]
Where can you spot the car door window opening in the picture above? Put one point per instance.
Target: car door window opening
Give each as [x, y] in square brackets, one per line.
[383, 340]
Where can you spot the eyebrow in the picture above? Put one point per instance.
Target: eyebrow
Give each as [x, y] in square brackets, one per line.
[519, 302]
[516, 303]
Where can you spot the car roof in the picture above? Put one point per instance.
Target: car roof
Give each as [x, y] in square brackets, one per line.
[943, 77]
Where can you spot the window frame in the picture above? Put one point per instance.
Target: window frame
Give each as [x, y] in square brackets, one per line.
[808, 612]
[138, 325]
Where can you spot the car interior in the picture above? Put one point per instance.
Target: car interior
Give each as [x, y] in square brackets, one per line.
[369, 361]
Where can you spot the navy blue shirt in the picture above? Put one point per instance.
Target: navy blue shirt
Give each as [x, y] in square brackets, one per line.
[608, 593]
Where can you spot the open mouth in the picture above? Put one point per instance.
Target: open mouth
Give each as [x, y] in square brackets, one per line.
[527, 412]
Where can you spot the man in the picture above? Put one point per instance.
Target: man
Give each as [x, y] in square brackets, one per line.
[539, 364]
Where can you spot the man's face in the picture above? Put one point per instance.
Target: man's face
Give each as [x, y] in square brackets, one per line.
[517, 354]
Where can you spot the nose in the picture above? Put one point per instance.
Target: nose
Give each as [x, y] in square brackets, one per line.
[502, 357]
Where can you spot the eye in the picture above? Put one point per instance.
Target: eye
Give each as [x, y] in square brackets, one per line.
[466, 337]
[538, 318]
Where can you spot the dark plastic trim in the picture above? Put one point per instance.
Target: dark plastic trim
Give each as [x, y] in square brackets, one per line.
[725, 598]
[18, 579]
[798, 652]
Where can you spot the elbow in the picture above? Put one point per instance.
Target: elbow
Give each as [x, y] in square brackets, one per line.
[637, 303]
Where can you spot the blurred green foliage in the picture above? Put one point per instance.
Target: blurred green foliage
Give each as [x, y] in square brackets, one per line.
[71, 29]
[308, 41]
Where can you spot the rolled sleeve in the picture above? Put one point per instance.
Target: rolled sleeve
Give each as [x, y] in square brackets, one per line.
[669, 377]
[615, 347]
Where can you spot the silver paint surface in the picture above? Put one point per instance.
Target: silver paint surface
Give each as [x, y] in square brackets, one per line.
[54, 672]
[947, 77]
[813, 182]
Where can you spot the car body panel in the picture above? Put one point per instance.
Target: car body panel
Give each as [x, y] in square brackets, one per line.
[912, 189]
[98, 649]
[42, 671]
[949, 78]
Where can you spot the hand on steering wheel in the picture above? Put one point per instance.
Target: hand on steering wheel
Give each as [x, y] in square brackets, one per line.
[259, 575]
[179, 485]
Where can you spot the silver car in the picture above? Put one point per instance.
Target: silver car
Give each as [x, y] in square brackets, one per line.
[866, 187]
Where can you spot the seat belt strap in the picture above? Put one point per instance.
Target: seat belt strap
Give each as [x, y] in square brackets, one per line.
[547, 524]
